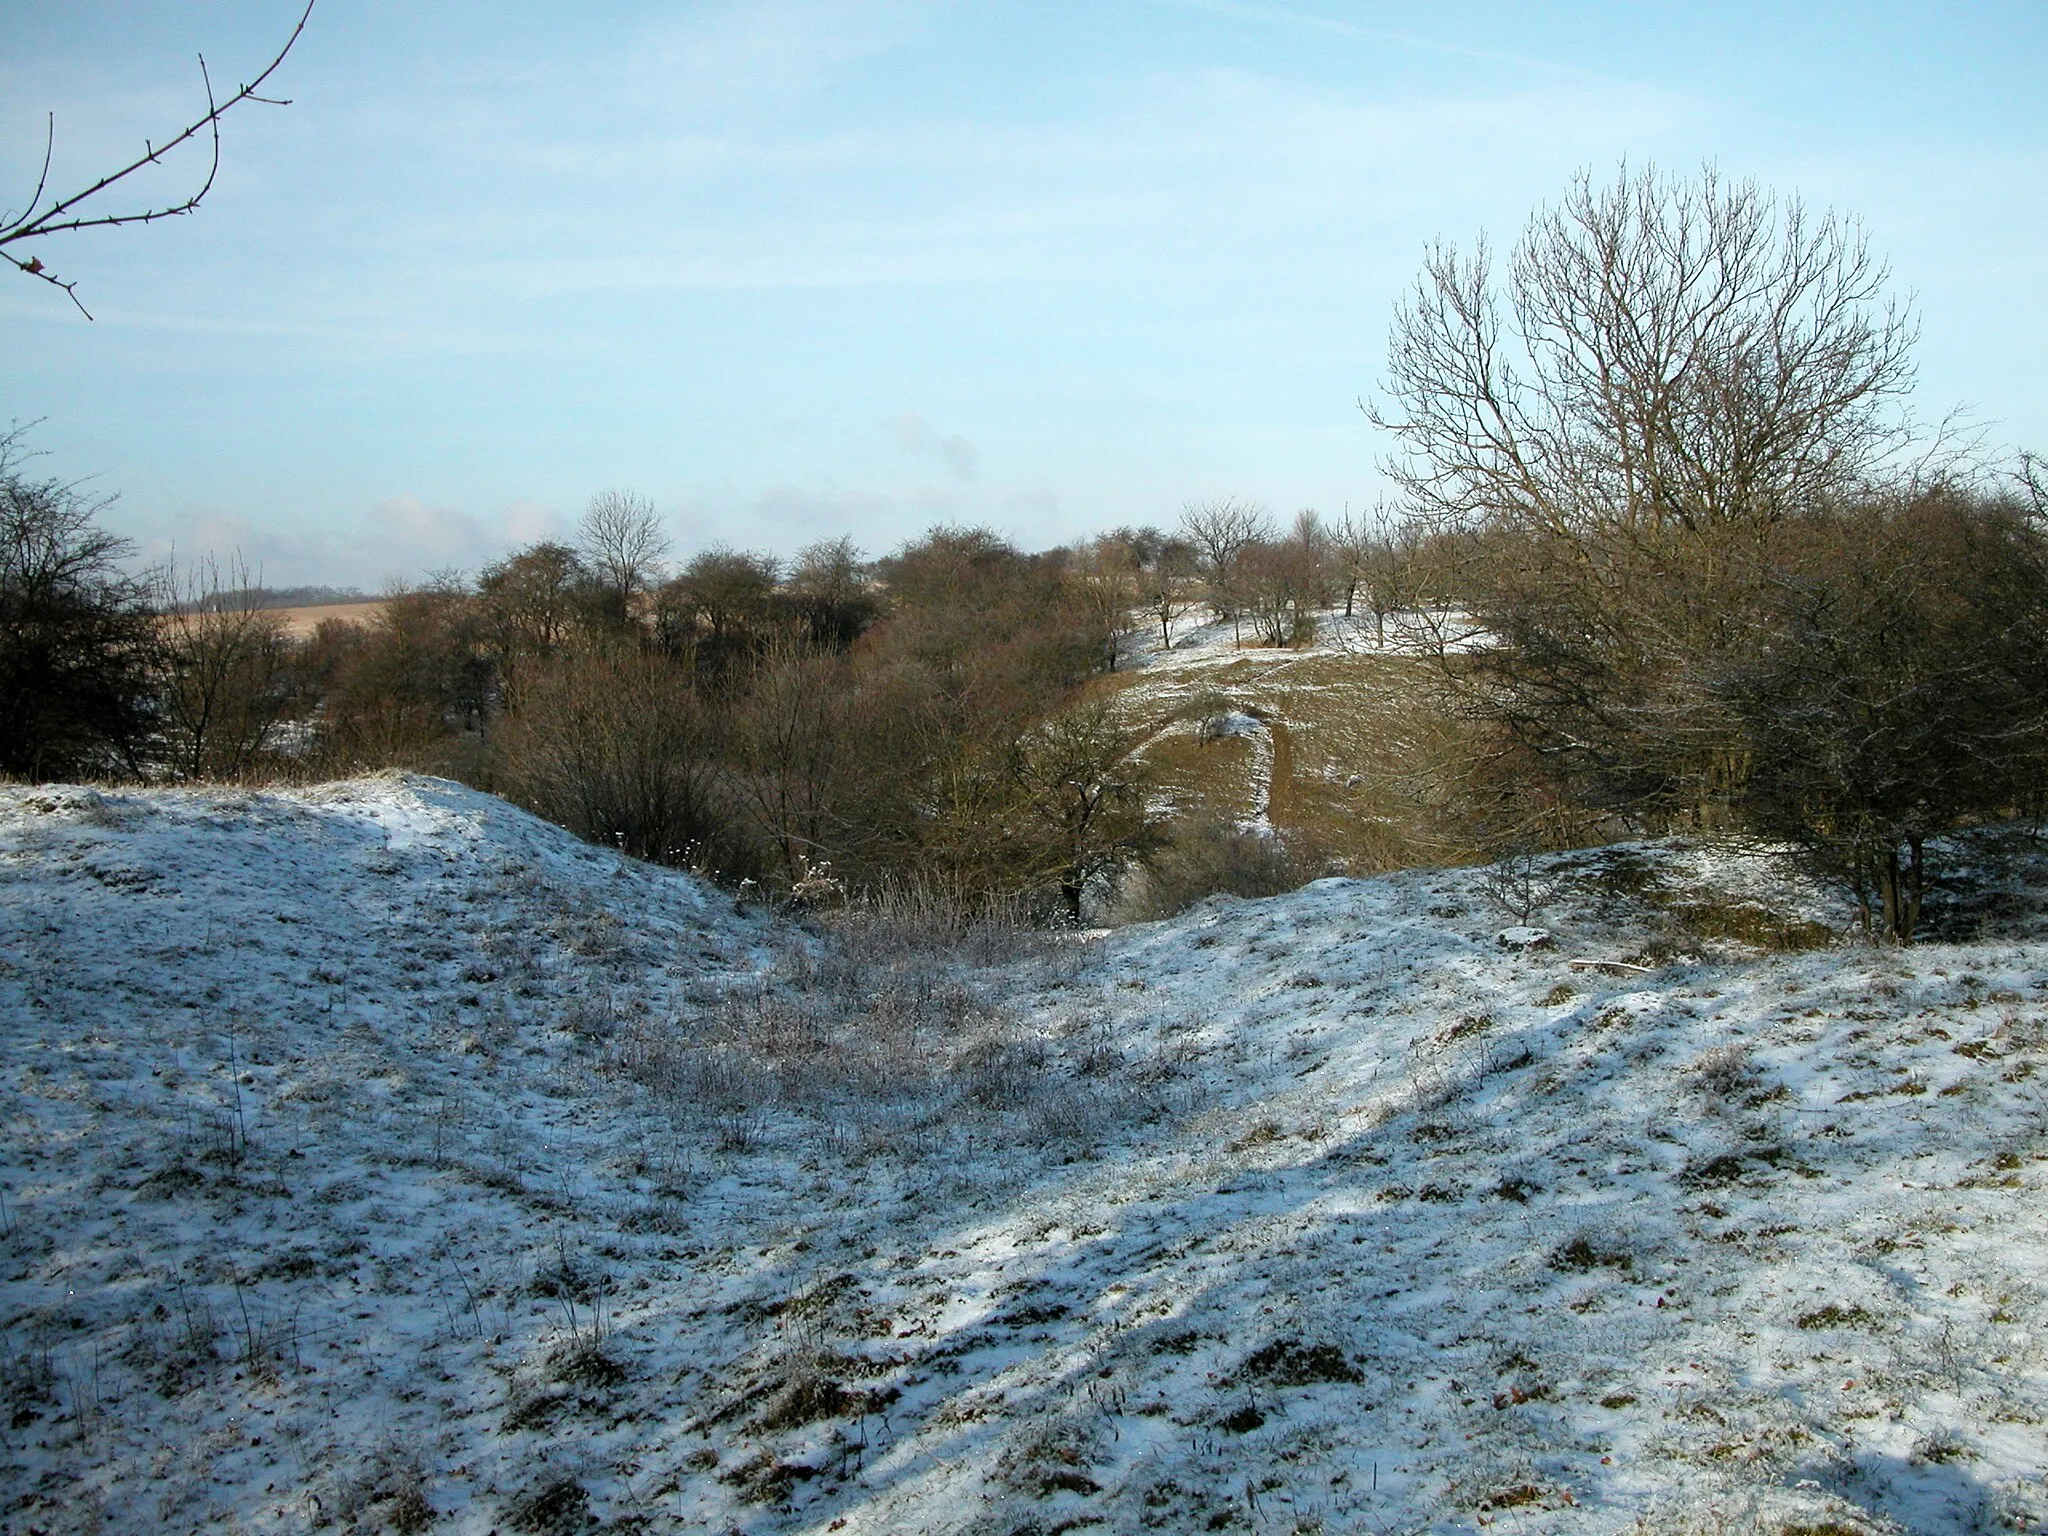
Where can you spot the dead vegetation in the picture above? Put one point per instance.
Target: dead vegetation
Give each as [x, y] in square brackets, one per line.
[889, 1025]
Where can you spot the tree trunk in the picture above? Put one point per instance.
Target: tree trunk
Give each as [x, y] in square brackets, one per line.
[1901, 888]
[1071, 891]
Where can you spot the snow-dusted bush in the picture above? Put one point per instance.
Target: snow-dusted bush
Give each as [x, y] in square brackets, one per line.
[1517, 885]
[1724, 1071]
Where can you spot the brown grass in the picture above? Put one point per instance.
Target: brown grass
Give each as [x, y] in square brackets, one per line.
[301, 622]
[1367, 765]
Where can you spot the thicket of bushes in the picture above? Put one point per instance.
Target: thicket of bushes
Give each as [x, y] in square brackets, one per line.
[824, 726]
[833, 726]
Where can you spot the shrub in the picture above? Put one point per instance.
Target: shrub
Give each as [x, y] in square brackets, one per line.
[1205, 858]
[224, 672]
[557, 1506]
[1582, 1254]
[1724, 1071]
[406, 689]
[391, 1484]
[76, 638]
[614, 745]
[1900, 692]
[1291, 1363]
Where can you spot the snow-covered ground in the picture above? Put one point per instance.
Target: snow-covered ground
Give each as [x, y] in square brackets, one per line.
[1203, 643]
[378, 1157]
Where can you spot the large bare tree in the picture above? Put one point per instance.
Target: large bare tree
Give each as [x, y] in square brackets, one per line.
[97, 205]
[1220, 532]
[1660, 352]
[1666, 373]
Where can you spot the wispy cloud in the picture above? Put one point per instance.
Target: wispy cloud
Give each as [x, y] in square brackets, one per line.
[399, 538]
[915, 436]
[1308, 21]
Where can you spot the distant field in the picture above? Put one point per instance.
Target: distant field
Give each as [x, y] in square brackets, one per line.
[301, 622]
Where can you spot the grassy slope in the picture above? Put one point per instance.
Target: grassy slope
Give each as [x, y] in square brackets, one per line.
[1341, 764]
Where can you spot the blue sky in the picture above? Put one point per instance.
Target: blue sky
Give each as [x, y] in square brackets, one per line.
[797, 269]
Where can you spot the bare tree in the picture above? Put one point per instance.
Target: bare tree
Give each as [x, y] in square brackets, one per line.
[831, 593]
[1669, 371]
[729, 592]
[1163, 586]
[722, 609]
[1082, 806]
[533, 600]
[1310, 532]
[1279, 586]
[1371, 554]
[615, 746]
[76, 636]
[1354, 543]
[794, 765]
[2032, 478]
[623, 541]
[88, 208]
[1672, 353]
[414, 686]
[1308, 543]
[1104, 574]
[225, 670]
[1220, 531]
[531, 596]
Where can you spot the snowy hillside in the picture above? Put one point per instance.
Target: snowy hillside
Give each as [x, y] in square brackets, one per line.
[380, 1158]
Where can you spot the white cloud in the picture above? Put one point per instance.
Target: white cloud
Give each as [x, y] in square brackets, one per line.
[414, 536]
[437, 536]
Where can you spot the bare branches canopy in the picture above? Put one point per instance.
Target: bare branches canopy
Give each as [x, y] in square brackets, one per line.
[1668, 453]
[622, 540]
[1660, 351]
[75, 632]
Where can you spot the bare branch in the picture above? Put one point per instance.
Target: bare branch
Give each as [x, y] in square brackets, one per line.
[34, 268]
[77, 211]
[7, 218]
[1661, 354]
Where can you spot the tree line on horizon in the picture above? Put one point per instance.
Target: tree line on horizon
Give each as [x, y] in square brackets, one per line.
[828, 723]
